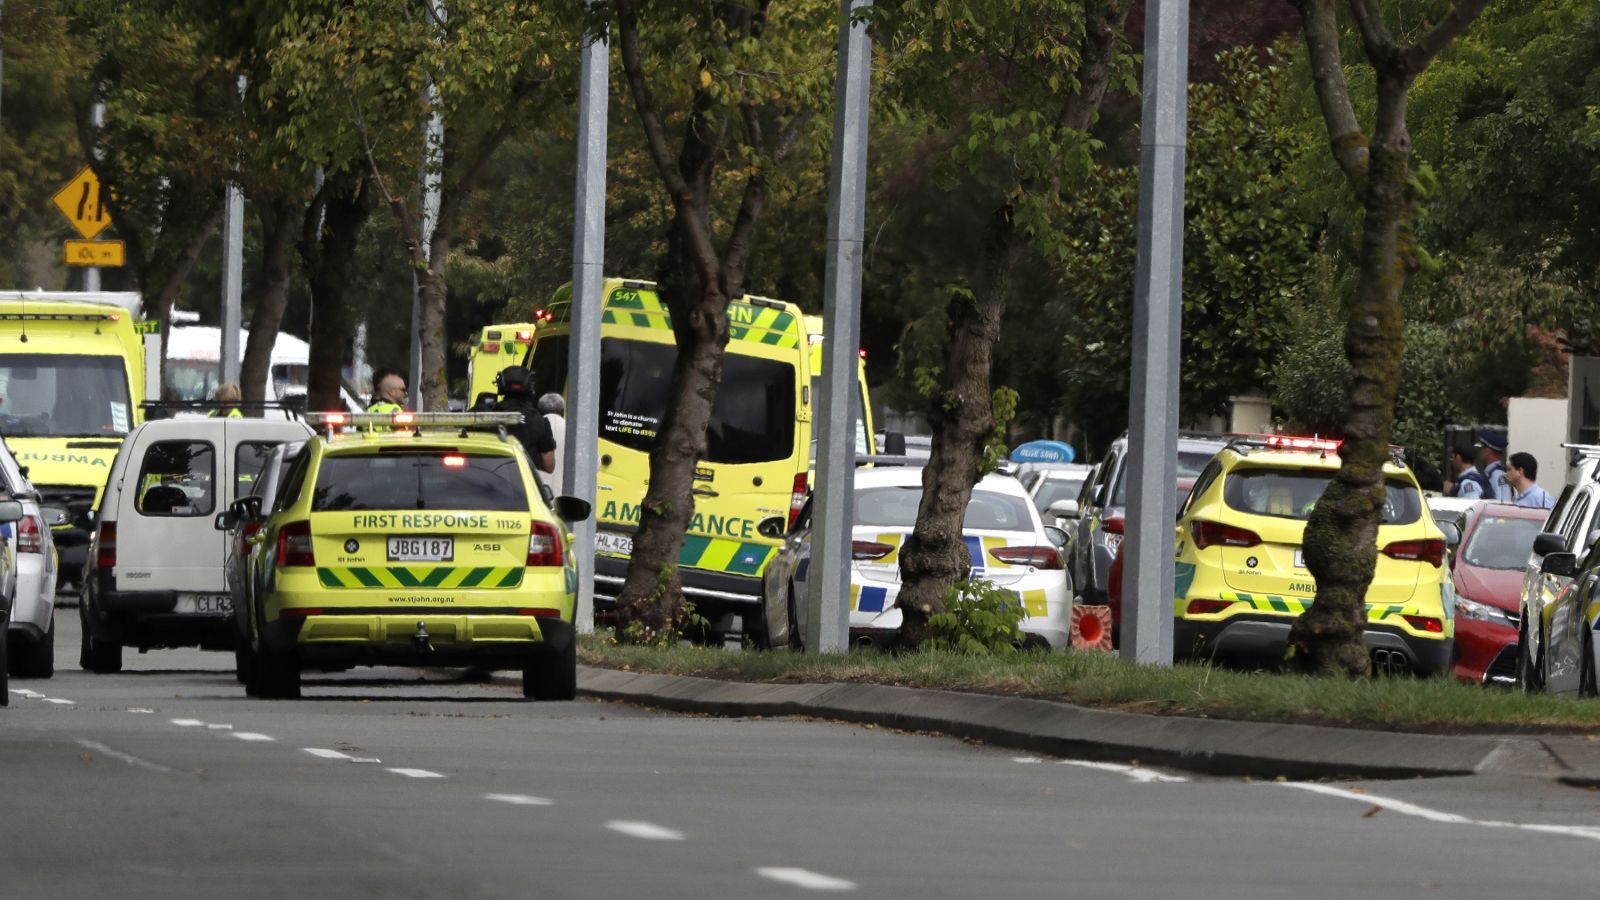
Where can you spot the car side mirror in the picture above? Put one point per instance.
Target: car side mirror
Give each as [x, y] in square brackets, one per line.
[1064, 509]
[894, 443]
[1549, 542]
[55, 515]
[571, 509]
[247, 508]
[773, 527]
[227, 521]
[1561, 565]
[10, 511]
[1452, 534]
[1057, 536]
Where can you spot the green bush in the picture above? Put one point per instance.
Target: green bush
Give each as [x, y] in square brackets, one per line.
[979, 619]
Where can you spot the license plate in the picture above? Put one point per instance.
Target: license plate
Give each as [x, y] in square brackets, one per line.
[422, 549]
[204, 603]
[1299, 558]
[620, 544]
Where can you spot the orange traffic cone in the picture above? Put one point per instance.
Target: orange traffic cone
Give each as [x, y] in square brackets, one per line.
[1091, 628]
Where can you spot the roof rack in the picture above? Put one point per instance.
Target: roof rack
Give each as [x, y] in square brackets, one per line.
[415, 422]
[166, 409]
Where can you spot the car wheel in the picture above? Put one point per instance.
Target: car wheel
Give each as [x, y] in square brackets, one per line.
[1528, 680]
[796, 639]
[5, 684]
[244, 666]
[102, 657]
[757, 629]
[552, 676]
[277, 676]
[1586, 673]
[31, 659]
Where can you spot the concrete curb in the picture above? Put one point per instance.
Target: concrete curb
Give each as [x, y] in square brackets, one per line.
[1211, 746]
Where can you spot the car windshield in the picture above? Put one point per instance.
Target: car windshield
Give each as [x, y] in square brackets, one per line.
[426, 479]
[896, 507]
[1054, 489]
[63, 395]
[1190, 464]
[1500, 542]
[1293, 494]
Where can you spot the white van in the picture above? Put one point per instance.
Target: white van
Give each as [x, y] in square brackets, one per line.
[155, 575]
[194, 365]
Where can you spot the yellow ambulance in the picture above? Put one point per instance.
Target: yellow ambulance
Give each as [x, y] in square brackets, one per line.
[866, 439]
[758, 445]
[497, 347]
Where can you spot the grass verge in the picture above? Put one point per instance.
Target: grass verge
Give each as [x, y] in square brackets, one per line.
[1436, 705]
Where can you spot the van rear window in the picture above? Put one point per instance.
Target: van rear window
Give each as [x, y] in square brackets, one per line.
[418, 480]
[1292, 494]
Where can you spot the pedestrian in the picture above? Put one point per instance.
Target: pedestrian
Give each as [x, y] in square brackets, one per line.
[229, 394]
[534, 433]
[389, 393]
[555, 414]
[1466, 481]
[1491, 462]
[1520, 475]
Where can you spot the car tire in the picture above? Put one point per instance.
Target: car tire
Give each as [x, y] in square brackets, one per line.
[1586, 673]
[97, 656]
[758, 636]
[35, 659]
[5, 683]
[277, 676]
[797, 640]
[244, 666]
[1528, 681]
[552, 676]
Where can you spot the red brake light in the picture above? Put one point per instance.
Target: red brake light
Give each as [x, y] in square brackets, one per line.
[1426, 623]
[1112, 525]
[540, 611]
[105, 546]
[862, 352]
[1211, 534]
[30, 537]
[524, 337]
[544, 545]
[1429, 551]
[491, 346]
[869, 550]
[797, 499]
[1207, 607]
[1038, 557]
[294, 545]
[454, 462]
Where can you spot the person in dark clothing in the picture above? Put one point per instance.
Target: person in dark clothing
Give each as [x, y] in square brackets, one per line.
[534, 433]
[1467, 482]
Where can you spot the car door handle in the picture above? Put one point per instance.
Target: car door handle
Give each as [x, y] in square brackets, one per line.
[706, 492]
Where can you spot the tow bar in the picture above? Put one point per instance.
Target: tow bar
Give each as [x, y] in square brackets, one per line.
[420, 639]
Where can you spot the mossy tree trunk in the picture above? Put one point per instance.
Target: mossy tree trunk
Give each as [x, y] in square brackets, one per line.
[1341, 537]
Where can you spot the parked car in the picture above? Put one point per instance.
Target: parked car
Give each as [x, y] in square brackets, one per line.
[1573, 528]
[10, 513]
[240, 561]
[1570, 626]
[1486, 571]
[155, 576]
[1105, 498]
[1452, 510]
[31, 630]
[1009, 544]
[1050, 484]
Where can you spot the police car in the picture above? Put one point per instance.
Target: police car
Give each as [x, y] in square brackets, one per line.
[1241, 573]
[411, 539]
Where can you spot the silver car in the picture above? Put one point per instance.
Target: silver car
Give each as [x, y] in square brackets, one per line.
[31, 629]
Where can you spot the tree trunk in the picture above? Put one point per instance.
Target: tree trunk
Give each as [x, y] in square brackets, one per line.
[1341, 538]
[331, 231]
[435, 386]
[162, 268]
[962, 416]
[278, 223]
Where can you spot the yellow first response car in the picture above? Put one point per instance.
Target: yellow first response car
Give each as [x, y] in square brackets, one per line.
[1241, 574]
[413, 540]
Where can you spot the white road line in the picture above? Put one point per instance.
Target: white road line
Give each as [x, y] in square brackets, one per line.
[325, 754]
[805, 878]
[139, 709]
[58, 700]
[220, 727]
[519, 799]
[24, 692]
[415, 773]
[1444, 818]
[187, 723]
[1141, 775]
[1026, 760]
[128, 758]
[253, 736]
[645, 831]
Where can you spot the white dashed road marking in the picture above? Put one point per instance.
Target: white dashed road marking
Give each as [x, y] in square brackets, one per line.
[253, 736]
[58, 700]
[1026, 760]
[415, 773]
[645, 831]
[1141, 775]
[187, 723]
[1445, 818]
[27, 694]
[220, 727]
[326, 754]
[128, 758]
[139, 709]
[805, 878]
[519, 799]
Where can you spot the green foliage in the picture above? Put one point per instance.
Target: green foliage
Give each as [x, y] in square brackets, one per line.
[1004, 405]
[979, 618]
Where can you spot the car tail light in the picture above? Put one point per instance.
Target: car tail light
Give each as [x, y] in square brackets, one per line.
[454, 462]
[1207, 607]
[1428, 551]
[105, 546]
[1426, 623]
[1113, 525]
[1211, 534]
[294, 545]
[1038, 557]
[491, 346]
[302, 611]
[540, 611]
[868, 550]
[524, 337]
[797, 498]
[544, 545]
[245, 534]
[30, 535]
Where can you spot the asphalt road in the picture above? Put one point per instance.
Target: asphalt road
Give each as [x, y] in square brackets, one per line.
[166, 781]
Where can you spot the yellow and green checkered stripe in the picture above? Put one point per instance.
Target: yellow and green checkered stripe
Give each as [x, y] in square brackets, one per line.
[746, 321]
[1274, 603]
[400, 577]
[718, 555]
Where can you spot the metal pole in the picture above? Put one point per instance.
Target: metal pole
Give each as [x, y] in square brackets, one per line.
[433, 158]
[580, 452]
[97, 117]
[828, 594]
[1157, 313]
[232, 276]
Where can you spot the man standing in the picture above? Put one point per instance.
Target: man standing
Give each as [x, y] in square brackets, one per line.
[389, 394]
[534, 433]
[1491, 462]
[555, 414]
[1466, 481]
[1520, 477]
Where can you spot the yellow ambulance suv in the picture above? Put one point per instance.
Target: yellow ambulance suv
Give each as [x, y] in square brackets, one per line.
[417, 539]
[1241, 576]
[497, 347]
[758, 444]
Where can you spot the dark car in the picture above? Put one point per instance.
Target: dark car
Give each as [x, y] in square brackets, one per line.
[1486, 572]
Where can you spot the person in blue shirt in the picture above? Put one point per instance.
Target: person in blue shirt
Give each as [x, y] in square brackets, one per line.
[1520, 475]
[1491, 462]
[1467, 481]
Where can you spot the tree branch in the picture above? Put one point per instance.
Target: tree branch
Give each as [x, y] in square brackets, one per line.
[1349, 143]
[742, 238]
[1381, 50]
[402, 212]
[1418, 55]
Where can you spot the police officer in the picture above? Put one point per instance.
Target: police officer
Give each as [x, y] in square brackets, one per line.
[1468, 482]
[389, 394]
[1492, 463]
[516, 395]
[226, 393]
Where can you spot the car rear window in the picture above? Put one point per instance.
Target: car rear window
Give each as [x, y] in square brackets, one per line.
[177, 479]
[418, 480]
[1190, 464]
[1501, 542]
[1293, 494]
[896, 507]
[1054, 489]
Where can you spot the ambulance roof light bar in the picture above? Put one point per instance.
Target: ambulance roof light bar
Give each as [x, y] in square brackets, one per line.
[414, 421]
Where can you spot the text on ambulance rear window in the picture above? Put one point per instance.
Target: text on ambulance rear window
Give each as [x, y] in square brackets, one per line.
[1292, 494]
[418, 480]
[752, 419]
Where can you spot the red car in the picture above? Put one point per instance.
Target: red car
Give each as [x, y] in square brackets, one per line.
[1486, 570]
[1114, 575]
